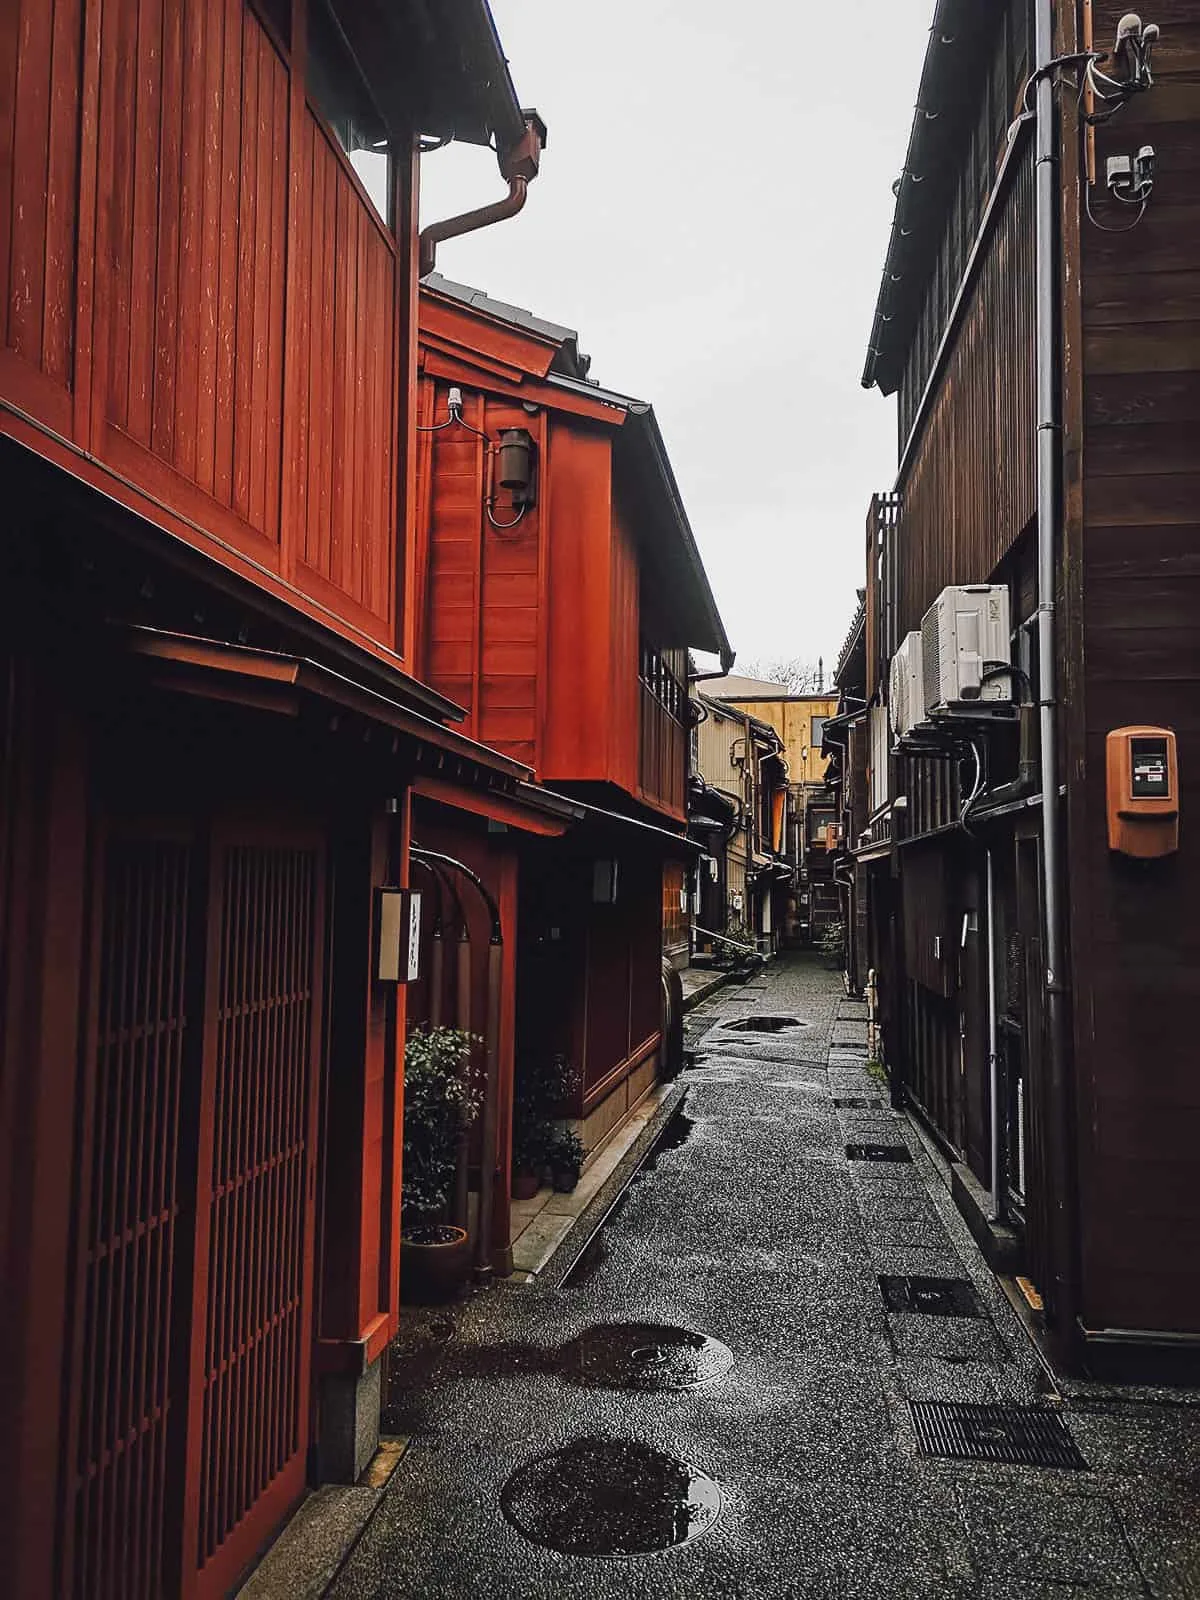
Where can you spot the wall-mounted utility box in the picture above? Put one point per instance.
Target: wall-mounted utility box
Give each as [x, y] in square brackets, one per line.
[1142, 770]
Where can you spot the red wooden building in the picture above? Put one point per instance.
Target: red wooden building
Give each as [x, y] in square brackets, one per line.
[559, 588]
[211, 727]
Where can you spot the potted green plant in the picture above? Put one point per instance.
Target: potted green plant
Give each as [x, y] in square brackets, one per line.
[565, 1156]
[530, 1141]
[543, 1083]
[442, 1098]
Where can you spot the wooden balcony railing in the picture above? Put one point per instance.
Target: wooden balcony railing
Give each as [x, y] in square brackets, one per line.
[662, 772]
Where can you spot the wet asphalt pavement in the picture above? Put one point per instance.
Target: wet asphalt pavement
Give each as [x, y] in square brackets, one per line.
[753, 1228]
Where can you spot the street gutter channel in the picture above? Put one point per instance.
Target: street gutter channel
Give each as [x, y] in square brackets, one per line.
[673, 1132]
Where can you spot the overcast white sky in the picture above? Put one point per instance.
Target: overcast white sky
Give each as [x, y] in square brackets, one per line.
[712, 215]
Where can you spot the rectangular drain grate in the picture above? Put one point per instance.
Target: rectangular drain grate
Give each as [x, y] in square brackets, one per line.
[859, 1104]
[1021, 1436]
[933, 1297]
[878, 1152]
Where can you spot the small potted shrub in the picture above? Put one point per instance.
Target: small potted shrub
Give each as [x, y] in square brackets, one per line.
[542, 1085]
[442, 1098]
[531, 1137]
[565, 1156]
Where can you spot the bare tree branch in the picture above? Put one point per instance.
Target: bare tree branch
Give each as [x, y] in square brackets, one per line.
[797, 676]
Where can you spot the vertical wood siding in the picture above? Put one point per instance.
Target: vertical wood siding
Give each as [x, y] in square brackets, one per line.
[969, 487]
[346, 365]
[663, 756]
[483, 585]
[511, 619]
[39, 154]
[194, 142]
[1135, 932]
[626, 696]
[623, 1001]
[194, 291]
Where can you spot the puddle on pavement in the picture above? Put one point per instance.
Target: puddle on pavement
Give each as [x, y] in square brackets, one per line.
[610, 1497]
[645, 1356]
[765, 1024]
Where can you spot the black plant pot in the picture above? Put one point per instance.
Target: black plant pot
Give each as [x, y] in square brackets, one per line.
[435, 1263]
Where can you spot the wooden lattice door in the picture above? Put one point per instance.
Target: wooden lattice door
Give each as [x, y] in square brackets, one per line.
[128, 1342]
[251, 1364]
[191, 1320]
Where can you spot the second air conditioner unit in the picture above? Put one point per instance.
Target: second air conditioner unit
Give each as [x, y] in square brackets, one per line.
[965, 636]
[906, 696]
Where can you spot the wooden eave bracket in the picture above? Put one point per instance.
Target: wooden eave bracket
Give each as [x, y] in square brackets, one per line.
[263, 679]
[471, 329]
[456, 370]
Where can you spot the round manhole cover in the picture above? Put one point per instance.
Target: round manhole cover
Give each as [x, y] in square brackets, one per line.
[610, 1497]
[644, 1355]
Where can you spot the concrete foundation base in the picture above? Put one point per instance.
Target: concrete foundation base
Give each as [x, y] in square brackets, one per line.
[1002, 1246]
[348, 1426]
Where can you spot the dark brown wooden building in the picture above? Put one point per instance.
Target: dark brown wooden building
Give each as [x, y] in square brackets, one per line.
[210, 731]
[1090, 1156]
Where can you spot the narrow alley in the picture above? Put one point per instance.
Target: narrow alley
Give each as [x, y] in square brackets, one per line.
[755, 1224]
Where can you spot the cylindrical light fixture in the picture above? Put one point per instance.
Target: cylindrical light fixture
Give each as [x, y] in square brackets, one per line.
[514, 467]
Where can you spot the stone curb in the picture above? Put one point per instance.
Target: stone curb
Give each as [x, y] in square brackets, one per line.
[592, 1218]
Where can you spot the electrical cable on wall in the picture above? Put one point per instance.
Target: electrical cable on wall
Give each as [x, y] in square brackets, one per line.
[454, 405]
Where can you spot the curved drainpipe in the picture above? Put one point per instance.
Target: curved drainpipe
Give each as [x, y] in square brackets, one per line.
[491, 1037]
[518, 167]
[1058, 1214]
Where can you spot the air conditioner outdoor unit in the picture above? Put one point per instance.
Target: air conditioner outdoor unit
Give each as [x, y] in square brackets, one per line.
[906, 701]
[963, 634]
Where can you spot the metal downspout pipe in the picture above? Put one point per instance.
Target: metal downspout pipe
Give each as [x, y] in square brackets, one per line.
[1061, 1298]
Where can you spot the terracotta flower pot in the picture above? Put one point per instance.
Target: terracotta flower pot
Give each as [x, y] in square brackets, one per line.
[525, 1184]
[435, 1262]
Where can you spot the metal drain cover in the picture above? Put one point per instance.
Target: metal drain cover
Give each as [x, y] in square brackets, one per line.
[1018, 1435]
[610, 1497]
[878, 1152]
[765, 1024]
[859, 1103]
[935, 1297]
[645, 1355]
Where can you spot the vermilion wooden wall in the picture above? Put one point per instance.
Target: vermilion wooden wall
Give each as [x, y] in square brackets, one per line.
[536, 630]
[199, 309]
[484, 587]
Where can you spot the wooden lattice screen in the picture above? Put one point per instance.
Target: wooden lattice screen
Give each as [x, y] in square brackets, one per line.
[255, 1380]
[191, 1321]
[125, 1400]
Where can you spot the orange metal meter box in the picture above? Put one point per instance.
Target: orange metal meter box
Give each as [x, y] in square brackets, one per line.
[1143, 792]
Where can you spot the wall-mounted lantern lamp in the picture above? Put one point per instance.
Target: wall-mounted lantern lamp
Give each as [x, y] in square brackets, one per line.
[398, 936]
[515, 465]
[514, 469]
[604, 883]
